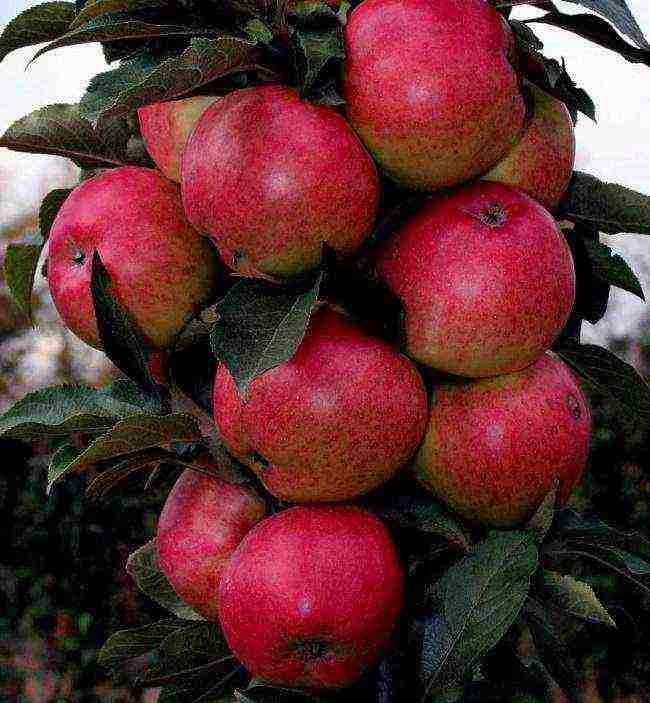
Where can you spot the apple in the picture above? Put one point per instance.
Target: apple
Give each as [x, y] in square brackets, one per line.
[165, 128]
[335, 421]
[311, 596]
[430, 89]
[202, 522]
[495, 447]
[161, 268]
[541, 163]
[486, 279]
[272, 178]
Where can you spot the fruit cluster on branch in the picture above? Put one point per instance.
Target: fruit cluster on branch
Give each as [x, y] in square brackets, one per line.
[334, 251]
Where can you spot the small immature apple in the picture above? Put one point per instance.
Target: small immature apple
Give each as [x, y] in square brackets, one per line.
[494, 447]
[335, 421]
[430, 89]
[272, 178]
[204, 519]
[311, 596]
[166, 127]
[541, 163]
[486, 279]
[162, 270]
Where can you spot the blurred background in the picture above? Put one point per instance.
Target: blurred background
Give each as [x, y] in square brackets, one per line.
[62, 584]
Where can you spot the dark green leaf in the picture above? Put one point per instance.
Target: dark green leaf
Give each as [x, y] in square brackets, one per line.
[115, 26]
[573, 597]
[143, 567]
[36, 25]
[50, 206]
[261, 326]
[64, 410]
[525, 33]
[316, 49]
[598, 31]
[119, 337]
[613, 269]
[608, 207]
[61, 130]
[95, 8]
[142, 81]
[634, 564]
[126, 645]
[542, 520]
[610, 375]
[20, 264]
[618, 13]
[127, 438]
[259, 32]
[477, 600]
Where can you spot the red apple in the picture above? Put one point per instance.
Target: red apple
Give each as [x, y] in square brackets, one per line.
[204, 519]
[486, 279]
[337, 420]
[311, 596]
[161, 268]
[541, 163]
[271, 178]
[165, 128]
[430, 89]
[494, 447]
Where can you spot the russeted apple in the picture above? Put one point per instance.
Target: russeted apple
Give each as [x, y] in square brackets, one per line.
[495, 447]
[335, 421]
[202, 522]
[541, 163]
[486, 279]
[161, 268]
[166, 127]
[430, 89]
[272, 178]
[311, 596]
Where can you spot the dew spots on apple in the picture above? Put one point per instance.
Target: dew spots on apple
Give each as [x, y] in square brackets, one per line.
[574, 406]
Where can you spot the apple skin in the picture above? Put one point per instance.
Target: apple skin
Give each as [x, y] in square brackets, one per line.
[271, 178]
[202, 522]
[541, 163]
[161, 268]
[486, 279]
[430, 89]
[311, 596]
[494, 447]
[335, 421]
[166, 127]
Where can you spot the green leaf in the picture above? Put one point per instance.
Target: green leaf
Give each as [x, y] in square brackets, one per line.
[618, 13]
[477, 600]
[125, 439]
[36, 25]
[125, 645]
[261, 326]
[119, 336]
[315, 50]
[596, 30]
[20, 264]
[64, 410]
[634, 564]
[143, 568]
[258, 31]
[613, 269]
[608, 207]
[61, 130]
[95, 8]
[50, 206]
[115, 26]
[541, 522]
[142, 82]
[573, 597]
[609, 375]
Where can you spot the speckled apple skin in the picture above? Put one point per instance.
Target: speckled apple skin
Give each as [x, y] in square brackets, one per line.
[541, 163]
[337, 420]
[162, 269]
[494, 447]
[430, 89]
[311, 596]
[202, 522]
[166, 127]
[481, 298]
[271, 178]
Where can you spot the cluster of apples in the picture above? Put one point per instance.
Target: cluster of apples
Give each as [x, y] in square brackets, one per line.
[310, 596]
